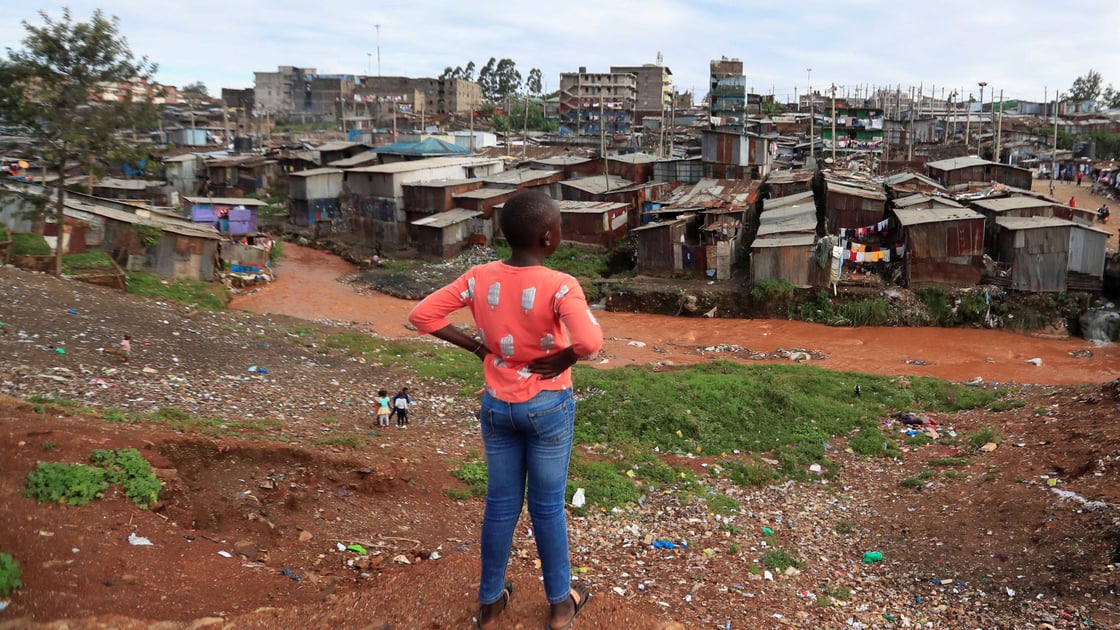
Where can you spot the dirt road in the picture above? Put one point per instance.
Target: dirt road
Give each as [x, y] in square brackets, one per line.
[306, 287]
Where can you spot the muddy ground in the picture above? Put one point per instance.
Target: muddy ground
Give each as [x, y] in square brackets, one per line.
[268, 480]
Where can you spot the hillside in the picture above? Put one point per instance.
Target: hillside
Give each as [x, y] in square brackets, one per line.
[279, 466]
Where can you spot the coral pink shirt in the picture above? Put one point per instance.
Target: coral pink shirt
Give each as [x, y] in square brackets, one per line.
[523, 314]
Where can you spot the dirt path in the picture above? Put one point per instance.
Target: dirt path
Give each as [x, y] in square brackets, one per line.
[306, 287]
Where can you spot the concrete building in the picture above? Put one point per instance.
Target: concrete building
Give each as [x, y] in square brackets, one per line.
[285, 91]
[654, 89]
[431, 96]
[727, 93]
[583, 95]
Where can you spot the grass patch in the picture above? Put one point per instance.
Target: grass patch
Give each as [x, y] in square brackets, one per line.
[844, 528]
[3, 233]
[1007, 405]
[949, 461]
[9, 574]
[913, 483]
[72, 484]
[474, 474]
[355, 442]
[426, 360]
[920, 439]
[779, 559]
[984, 435]
[721, 504]
[93, 261]
[953, 474]
[24, 244]
[604, 484]
[754, 475]
[873, 442]
[127, 467]
[207, 296]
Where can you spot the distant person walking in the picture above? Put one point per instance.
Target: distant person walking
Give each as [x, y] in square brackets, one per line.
[383, 408]
[126, 348]
[401, 402]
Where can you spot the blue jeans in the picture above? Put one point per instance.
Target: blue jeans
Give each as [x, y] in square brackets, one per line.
[527, 444]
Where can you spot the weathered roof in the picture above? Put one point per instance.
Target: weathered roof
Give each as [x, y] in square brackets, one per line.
[915, 216]
[439, 183]
[426, 147]
[597, 184]
[419, 165]
[1031, 223]
[519, 176]
[866, 193]
[1012, 203]
[788, 200]
[339, 145]
[634, 158]
[589, 207]
[914, 200]
[789, 177]
[953, 164]
[483, 193]
[182, 227]
[248, 202]
[448, 218]
[902, 178]
[665, 223]
[790, 218]
[128, 184]
[717, 194]
[315, 172]
[785, 240]
[186, 157]
[355, 160]
[562, 160]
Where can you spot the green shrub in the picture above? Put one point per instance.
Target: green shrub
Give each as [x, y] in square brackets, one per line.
[9, 574]
[779, 559]
[985, 434]
[54, 482]
[3, 233]
[972, 309]
[276, 252]
[722, 504]
[475, 475]
[938, 309]
[873, 442]
[603, 484]
[770, 289]
[210, 297]
[866, 312]
[30, 245]
[127, 467]
[92, 261]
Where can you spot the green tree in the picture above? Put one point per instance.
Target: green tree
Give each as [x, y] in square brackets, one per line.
[1086, 87]
[488, 80]
[50, 90]
[468, 72]
[1111, 98]
[533, 83]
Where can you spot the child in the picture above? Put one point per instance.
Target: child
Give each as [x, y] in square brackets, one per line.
[534, 324]
[383, 411]
[401, 402]
[126, 348]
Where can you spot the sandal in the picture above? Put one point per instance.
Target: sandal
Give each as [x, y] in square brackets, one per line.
[584, 595]
[507, 594]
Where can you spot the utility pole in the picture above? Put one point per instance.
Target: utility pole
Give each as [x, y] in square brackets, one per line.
[471, 103]
[980, 124]
[603, 144]
[833, 125]
[1054, 156]
[809, 80]
[968, 121]
[579, 103]
[378, 28]
[910, 133]
[999, 127]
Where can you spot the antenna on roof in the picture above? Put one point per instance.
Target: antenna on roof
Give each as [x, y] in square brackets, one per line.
[660, 59]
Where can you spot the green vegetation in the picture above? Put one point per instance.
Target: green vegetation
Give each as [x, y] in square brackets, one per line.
[276, 252]
[9, 574]
[779, 559]
[210, 297]
[721, 504]
[570, 260]
[127, 467]
[949, 461]
[604, 484]
[844, 528]
[474, 475]
[769, 290]
[1007, 404]
[78, 484]
[427, 360]
[984, 435]
[3, 233]
[72, 484]
[913, 483]
[30, 245]
[48, 445]
[92, 261]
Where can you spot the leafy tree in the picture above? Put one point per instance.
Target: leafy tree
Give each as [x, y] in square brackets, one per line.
[488, 80]
[50, 91]
[196, 90]
[447, 72]
[533, 83]
[509, 79]
[468, 72]
[1111, 98]
[1086, 87]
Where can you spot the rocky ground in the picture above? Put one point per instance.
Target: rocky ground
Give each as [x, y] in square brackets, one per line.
[272, 458]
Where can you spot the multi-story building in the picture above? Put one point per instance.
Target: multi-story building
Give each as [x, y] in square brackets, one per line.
[583, 95]
[655, 89]
[857, 128]
[286, 91]
[727, 93]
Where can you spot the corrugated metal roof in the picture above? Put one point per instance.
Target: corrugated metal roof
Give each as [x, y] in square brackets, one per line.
[789, 177]
[866, 193]
[187, 157]
[128, 184]
[716, 194]
[915, 216]
[902, 178]
[953, 164]
[562, 160]
[788, 200]
[1012, 203]
[519, 176]
[361, 158]
[143, 217]
[326, 170]
[419, 165]
[339, 145]
[597, 184]
[589, 207]
[788, 240]
[660, 224]
[913, 200]
[790, 218]
[634, 158]
[226, 201]
[1031, 223]
[483, 193]
[439, 183]
[448, 218]
[427, 147]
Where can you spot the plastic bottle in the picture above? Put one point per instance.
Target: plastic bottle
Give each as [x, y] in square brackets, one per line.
[873, 556]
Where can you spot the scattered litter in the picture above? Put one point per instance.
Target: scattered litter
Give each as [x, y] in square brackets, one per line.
[139, 541]
[289, 573]
[1035, 361]
[225, 554]
[989, 447]
[356, 548]
[637, 344]
[401, 559]
[579, 499]
[815, 468]
[1073, 496]
[766, 531]
[873, 556]
[768, 576]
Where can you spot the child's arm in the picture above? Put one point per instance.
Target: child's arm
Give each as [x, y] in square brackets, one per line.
[430, 316]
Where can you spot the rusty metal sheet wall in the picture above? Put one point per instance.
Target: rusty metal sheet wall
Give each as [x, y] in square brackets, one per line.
[1087, 252]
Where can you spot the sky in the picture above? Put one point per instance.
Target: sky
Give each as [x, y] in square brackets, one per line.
[1027, 48]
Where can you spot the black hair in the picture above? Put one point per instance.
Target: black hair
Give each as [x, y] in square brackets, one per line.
[525, 216]
[381, 392]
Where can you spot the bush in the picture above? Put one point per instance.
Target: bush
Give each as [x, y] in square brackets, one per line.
[128, 468]
[938, 309]
[866, 312]
[93, 260]
[474, 474]
[768, 289]
[30, 245]
[9, 574]
[3, 233]
[56, 482]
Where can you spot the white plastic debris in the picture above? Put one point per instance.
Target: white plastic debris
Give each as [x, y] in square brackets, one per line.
[579, 499]
[815, 468]
[766, 575]
[139, 541]
[225, 554]
[1035, 361]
